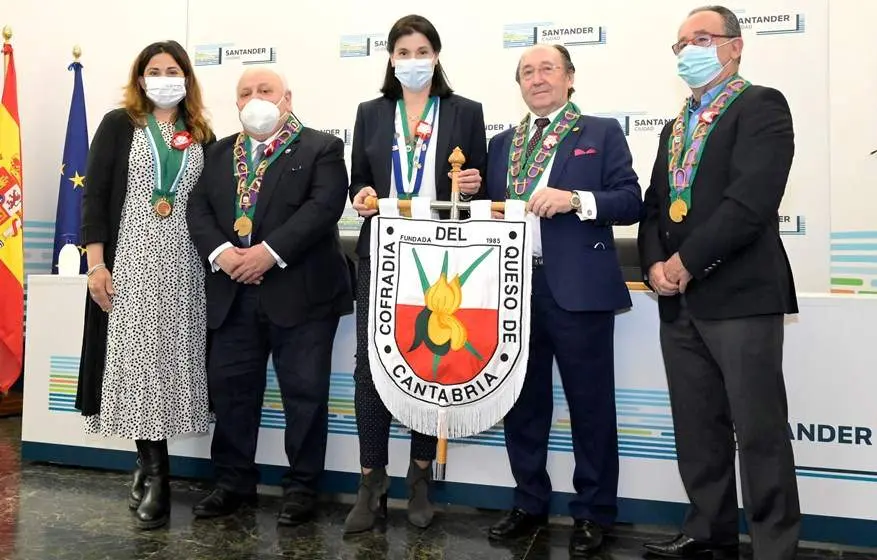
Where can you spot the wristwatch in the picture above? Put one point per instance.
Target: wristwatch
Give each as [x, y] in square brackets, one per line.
[575, 201]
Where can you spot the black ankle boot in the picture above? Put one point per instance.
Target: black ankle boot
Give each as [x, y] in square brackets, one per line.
[154, 509]
[136, 494]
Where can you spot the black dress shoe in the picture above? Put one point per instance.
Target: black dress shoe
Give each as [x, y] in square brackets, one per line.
[686, 547]
[586, 537]
[297, 508]
[517, 523]
[221, 502]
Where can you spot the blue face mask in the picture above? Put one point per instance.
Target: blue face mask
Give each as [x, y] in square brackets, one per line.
[698, 66]
[414, 73]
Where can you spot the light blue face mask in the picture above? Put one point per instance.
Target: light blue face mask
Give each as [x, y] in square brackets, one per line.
[414, 73]
[698, 66]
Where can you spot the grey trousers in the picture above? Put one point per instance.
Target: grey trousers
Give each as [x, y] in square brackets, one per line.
[726, 377]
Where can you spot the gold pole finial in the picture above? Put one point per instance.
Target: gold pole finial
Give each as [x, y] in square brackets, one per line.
[457, 159]
[7, 34]
[77, 52]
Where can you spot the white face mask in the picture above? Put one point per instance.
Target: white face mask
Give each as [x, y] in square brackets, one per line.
[414, 74]
[259, 116]
[165, 92]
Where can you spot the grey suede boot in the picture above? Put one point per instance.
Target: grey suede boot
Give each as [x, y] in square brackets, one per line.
[371, 502]
[420, 510]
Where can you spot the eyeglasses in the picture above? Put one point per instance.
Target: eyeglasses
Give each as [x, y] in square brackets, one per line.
[702, 40]
[528, 73]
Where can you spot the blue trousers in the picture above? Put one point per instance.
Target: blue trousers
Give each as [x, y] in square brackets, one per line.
[583, 345]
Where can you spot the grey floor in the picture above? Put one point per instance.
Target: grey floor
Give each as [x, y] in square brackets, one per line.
[49, 512]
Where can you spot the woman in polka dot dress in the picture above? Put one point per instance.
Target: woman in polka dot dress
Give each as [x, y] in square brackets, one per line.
[142, 372]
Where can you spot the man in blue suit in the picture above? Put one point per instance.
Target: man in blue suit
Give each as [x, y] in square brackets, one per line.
[575, 173]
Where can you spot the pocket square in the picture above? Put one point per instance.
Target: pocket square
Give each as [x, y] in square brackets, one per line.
[580, 152]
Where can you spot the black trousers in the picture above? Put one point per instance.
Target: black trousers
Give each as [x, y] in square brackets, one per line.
[236, 375]
[726, 377]
[372, 417]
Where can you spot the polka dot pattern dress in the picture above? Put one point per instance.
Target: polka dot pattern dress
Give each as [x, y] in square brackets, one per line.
[155, 381]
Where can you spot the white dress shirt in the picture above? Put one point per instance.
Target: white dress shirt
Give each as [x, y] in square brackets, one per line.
[588, 210]
[427, 185]
[254, 145]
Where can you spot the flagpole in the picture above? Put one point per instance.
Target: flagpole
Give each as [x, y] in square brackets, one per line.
[77, 52]
[7, 36]
[14, 261]
[457, 159]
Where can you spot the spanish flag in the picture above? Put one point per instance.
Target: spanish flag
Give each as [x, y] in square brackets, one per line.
[11, 236]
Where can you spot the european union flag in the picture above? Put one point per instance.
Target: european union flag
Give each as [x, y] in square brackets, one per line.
[73, 178]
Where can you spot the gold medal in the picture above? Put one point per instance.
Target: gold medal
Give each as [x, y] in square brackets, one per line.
[678, 210]
[243, 226]
[163, 208]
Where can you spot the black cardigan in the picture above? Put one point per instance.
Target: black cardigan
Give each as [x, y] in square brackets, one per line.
[103, 199]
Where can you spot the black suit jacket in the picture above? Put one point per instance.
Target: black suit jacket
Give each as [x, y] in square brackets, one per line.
[730, 240]
[301, 200]
[461, 124]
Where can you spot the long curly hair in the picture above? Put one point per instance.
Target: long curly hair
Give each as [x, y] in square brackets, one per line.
[191, 108]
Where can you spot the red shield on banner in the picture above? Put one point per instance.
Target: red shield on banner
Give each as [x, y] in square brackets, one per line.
[440, 340]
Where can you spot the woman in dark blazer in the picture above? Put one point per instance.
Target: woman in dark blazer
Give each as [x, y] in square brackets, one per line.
[142, 371]
[417, 108]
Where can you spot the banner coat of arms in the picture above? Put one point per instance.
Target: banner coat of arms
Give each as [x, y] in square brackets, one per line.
[449, 320]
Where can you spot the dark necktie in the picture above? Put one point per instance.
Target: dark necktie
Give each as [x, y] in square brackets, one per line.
[257, 158]
[260, 153]
[540, 123]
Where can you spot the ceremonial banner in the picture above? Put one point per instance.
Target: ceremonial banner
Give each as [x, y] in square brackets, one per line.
[449, 319]
[11, 237]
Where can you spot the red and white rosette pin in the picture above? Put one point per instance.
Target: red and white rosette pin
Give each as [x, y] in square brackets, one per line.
[423, 130]
[550, 141]
[181, 140]
[708, 116]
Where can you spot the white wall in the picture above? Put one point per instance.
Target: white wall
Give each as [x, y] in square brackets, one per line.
[631, 77]
[853, 136]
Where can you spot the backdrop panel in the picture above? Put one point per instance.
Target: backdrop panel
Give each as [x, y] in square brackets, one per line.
[334, 56]
[624, 69]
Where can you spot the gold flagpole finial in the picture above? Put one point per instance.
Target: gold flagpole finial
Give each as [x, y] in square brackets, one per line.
[77, 52]
[7, 34]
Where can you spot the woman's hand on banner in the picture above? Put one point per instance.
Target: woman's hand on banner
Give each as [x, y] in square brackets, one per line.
[359, 202]
[469, 181]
